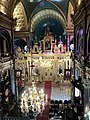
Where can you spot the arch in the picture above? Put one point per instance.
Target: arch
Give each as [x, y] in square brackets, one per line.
[50, 5]
[72, 41]
[20, 42]
[20, 15]
[70, 11]
[79, 2]
[6, 7]
[73, 2]
[5, 36]
[43, 14]
[58, 9]
[15, 3]
[80, 31]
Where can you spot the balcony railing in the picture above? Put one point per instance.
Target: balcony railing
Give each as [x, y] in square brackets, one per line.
[17, 118]
[7, 59]
[10, 118]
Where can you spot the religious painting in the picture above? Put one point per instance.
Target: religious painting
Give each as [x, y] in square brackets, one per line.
[18, 73]
[47, 43]
[35, 70]
[60, 69]
[67, 74]
[79, 40]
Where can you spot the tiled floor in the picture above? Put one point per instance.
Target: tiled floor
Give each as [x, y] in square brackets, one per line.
[59, 91]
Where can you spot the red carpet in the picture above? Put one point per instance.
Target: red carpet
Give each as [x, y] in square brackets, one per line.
[47, 90]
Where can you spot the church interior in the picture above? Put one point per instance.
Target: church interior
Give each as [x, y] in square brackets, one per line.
[44, 59]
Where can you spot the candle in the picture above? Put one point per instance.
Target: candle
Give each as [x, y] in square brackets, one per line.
[66, 64]
[69, 64]
[46, 97]
[43, 105]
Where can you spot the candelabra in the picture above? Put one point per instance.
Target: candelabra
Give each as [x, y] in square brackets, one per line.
[33, 100]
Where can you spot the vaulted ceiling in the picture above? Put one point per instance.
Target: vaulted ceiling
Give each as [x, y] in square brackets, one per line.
[38, 13]
[33, 15]
[7, 6]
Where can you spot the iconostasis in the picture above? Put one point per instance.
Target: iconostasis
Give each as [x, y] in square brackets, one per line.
[49, 67]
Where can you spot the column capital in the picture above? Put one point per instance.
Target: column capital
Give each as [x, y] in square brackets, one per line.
[69, 30]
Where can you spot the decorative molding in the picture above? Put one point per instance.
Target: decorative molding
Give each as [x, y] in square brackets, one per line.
[20, 15]
[6, 65]
[69, 30]
[22, 34]
[5, 21]
[88, 70]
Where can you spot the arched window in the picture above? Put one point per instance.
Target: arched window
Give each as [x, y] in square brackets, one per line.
[79, 40]
[21, 43]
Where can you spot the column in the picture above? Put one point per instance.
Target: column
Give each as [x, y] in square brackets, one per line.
[86, 99]
[1, 78]
[68, 42]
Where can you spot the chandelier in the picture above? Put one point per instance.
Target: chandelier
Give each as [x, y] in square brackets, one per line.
[33, 100]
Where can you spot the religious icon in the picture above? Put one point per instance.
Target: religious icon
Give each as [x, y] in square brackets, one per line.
[67, 74]
[60, 69]
[47, 44]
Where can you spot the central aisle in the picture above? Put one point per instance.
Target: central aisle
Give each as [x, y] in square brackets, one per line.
[47, 90]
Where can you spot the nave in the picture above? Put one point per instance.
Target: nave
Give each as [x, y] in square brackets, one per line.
[58, 106]
[44, 40]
